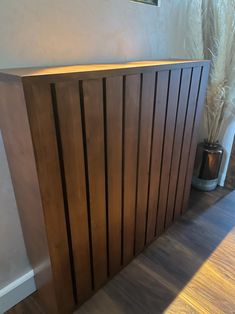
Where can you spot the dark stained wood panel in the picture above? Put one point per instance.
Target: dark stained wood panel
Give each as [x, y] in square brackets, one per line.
[156, 151]
[145, 133]
[178, 138]
[95, 154]
[192, 102]
[15, 129]
[131, 132]
[110, 164]
[42, 123]
[193, 144]
[88, 71]
[69, 116]
[114, 106]
[173, 94]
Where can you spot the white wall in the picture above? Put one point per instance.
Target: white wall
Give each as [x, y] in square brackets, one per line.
[227, 143]
[13, 259]
[56, 32]
[43, 32]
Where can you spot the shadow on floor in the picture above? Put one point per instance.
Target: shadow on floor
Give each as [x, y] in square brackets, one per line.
[154, 279]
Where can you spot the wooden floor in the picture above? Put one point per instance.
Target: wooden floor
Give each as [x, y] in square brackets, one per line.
[190, 269]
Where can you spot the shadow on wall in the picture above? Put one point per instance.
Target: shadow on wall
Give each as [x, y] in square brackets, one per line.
[227, 143]
[13, 259]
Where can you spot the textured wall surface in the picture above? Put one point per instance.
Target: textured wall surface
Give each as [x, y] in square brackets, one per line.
[227, 143]
[76, 31]
[13, 259]
[57, 32]
[230, 178]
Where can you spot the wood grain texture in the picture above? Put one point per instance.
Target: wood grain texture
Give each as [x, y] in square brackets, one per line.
[178, 139]
[28, 305]
[145, 133]
[42, 124]
[188, 129]
[95, 154]
[172, 106]
[71, 133]
[157, 148]
[184, 270]
[88, 71]
[131, 132]
[193, 145]
[190, 269]
[114, 115]
[15, 129]
[113, 149]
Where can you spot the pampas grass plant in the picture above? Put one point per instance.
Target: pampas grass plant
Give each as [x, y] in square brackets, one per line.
[211, 35]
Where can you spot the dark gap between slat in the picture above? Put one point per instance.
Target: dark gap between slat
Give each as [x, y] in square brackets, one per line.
[176, 118]
[163, 145]
[106, 171]
[194, 119]
[182, 143]
[137, 163]
[64, 187]
[151, 152]
[87, 180]
[123, 164]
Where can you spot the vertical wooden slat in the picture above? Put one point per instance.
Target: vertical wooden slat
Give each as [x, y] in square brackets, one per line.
[104, 155]
[69, 113]
[187, 140]
[17, 136]
[131, 119]
[200, 102]
[94, 128]
[146, 118]
[156, 154]
[181, 115]
[44, 135]
[173, 94]
[114, 97]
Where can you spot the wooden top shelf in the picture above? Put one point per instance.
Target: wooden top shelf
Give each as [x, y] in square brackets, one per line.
[59, 70]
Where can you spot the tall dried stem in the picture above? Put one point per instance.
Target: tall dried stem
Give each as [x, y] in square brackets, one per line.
[214, 23]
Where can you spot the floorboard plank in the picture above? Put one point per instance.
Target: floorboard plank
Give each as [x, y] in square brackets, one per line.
[189, 269]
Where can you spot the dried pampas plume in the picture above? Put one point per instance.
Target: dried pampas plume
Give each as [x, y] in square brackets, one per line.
[211, 35]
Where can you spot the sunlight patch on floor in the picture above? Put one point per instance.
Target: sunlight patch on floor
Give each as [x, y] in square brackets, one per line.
[212, 288]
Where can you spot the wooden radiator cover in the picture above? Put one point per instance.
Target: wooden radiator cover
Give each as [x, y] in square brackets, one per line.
[101, 159]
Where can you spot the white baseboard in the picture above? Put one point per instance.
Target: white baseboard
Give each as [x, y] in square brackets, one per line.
[16, 291]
